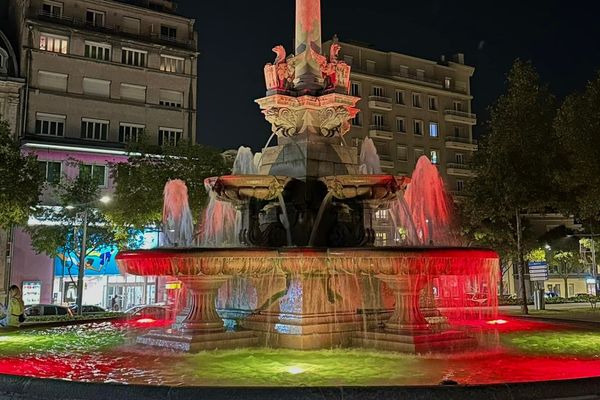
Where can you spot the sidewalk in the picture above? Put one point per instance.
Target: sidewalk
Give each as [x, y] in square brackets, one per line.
[579, 312]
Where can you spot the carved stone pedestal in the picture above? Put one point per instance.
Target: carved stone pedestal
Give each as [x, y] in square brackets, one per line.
[202, 328]
[407, 330]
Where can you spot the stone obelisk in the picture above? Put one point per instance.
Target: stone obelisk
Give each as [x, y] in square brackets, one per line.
[308, 45]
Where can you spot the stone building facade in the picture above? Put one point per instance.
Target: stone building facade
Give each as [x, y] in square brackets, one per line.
[412, 107]
[99, 74]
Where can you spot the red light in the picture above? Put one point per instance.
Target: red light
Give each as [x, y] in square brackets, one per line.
[145, 321]
[497, 322]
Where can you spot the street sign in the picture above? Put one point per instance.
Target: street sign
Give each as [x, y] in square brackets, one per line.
[538, 271]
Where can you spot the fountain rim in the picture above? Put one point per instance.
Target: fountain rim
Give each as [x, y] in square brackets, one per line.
[311, 252]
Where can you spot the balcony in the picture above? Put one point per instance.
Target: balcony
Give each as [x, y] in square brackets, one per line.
[153, 37]
[460, 117]
[380, 103]
[459, 170]
[380, 132]
[461, 143]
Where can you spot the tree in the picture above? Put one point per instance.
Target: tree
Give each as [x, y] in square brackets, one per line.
[564, 264]
[514, 167]
[21, 181]
[141, 180]
[578, 130]
[60, 233]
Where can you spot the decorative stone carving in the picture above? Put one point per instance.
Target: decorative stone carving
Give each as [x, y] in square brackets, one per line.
[280, 74]
[283, 121]
[334, 121]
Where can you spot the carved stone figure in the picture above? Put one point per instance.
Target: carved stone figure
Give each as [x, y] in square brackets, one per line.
[280, 74]
[283, 121]
[334, 121]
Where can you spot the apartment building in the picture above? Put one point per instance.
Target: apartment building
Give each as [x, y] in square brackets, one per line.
[412, 107]
[99, 74]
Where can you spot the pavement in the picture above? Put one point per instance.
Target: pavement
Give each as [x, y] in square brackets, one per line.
[576, 312]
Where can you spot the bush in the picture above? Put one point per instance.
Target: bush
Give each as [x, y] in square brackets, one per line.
[59, 318]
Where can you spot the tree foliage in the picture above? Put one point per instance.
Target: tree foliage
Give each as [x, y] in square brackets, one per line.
[21, 181]
[61, 235]
[578, 129]
[141, 180]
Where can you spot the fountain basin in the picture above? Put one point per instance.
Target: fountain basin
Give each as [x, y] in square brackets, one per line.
[365, 187]
[241, 188]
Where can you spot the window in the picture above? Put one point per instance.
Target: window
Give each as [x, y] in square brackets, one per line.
[416, 100]
[401, 124]
[50, 124]
[356, 121]
[131, 25]
[51, 170]
[3, 60]
[52, 8]
[417, 127]
[98, 51]
[133, 57]
[447, 82]
[400, 97]
[433, 129]
[456, 131]
[378, 91]
[433, 103]
[418, 154]
[378, 120]
[133, 92]
[130, 132]
[420, 74]
[458, 106]
[96, 87]
[403, 71]
[170, 98]
[168, 32]
[434, 156]
[169, 136]
[94, 129]
[381, 215]
[94, 18]
[402, 153]
[96, 172]
[355, 89]
[52, 81]
[370, 66]
[53, 43]
[460, 158]
[171, 64]
[381, 238]
[460, 185]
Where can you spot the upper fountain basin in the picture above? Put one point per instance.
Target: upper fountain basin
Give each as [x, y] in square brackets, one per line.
[365, 187]
[241, 188]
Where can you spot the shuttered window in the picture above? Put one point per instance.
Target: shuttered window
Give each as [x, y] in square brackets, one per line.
[131, 25]
[133, 92]
[52, 81]
[96, 87]
[170, 98]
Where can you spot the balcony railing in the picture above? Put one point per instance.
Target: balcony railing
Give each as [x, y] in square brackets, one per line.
[458, 166]
[460, 139]
[381, 128]
[461, 114]
[115, 30]
[381, 99]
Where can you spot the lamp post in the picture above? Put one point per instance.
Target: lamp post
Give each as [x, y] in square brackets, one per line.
[83, 249]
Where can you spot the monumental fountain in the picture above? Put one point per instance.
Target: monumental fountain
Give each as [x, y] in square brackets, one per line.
[305, 273]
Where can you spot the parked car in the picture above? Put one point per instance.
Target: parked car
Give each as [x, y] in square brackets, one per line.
[550, 295]
[148, 311]
[39, 310]
[88, 309]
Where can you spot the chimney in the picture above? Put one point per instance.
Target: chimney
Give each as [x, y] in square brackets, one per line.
[459, 58]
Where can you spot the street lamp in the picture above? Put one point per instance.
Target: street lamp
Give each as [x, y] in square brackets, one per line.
[81, 272]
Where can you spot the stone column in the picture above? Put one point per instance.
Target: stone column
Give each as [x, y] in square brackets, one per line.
[308, 36]
[407, 316]
[202, 316]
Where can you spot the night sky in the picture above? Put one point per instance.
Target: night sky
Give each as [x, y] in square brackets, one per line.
[562, 38]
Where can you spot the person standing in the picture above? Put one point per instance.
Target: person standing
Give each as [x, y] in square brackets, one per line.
[15, 309]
